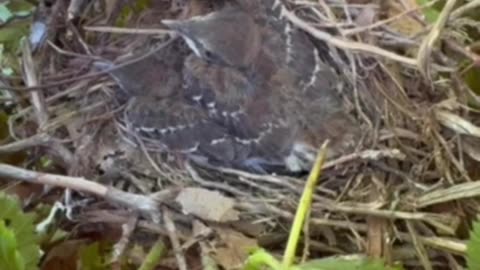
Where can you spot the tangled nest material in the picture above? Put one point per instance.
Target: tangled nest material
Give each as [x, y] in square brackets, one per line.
[413, 180]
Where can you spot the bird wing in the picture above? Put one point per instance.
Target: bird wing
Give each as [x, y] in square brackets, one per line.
[155, 74]
[171, 125]
[239, 104]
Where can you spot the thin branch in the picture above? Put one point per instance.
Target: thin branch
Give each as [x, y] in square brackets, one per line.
[433, 36]
[464, 9]
[181, 261]
[121, 30]
[137, 202]
[31, 80]
[346, 44]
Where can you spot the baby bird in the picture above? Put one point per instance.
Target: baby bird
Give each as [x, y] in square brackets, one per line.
[270, 84]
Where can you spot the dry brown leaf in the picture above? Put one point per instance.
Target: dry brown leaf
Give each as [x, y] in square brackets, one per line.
[471, 146]
[457, 123]
[63, 256]
[406, 24]
[234, 249]
[206, 204]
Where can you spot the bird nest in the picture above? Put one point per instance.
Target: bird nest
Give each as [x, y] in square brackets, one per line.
[406, 192]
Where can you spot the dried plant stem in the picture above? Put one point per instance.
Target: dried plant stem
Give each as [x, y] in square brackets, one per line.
[120, 30]
[36, 97]
[120, 247]
[134, 201]
[346, 44]
[455, 192]
[177, 248]
[433, 36]
[469, 6]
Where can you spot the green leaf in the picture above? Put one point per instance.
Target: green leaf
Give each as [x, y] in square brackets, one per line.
[10, 37]
[431, 14]
[5, 13]
[20, 7]
[7, 71]
[23, 230]
[128, 10]
[10, 257]
[344, 263]
[14, 32]
[154, 256]
[473, 248]
[91, 258]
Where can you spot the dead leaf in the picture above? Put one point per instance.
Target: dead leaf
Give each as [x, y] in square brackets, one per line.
[208, 205]
[366, 17]
[233, 249]
[63, 256]
[457, 123]
[471, 146]
[199, 229]
[405, 24]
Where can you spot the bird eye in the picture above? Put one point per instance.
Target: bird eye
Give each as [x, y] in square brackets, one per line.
[208, 55]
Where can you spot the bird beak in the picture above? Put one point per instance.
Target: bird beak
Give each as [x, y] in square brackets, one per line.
[181, 28]
[102, 65]
[173, 24]
[176, 26]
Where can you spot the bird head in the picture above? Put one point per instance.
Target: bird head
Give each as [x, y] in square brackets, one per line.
[227, 37]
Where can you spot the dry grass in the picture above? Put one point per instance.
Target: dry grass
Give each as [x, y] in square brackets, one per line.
[411, 187]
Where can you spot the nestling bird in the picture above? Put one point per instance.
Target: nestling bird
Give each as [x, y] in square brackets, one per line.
[169, 116]
[255, 94]
[271, 84]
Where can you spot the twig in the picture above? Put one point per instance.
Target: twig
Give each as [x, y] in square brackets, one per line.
[133, 201]
[37, 98]
[419, 247]
[73, 54]
[74, 9]
[346, 44]
[90, 75]
[224, 187]
[113, 216]
[441, 243]
[268, 208]
[444, 222]
[182, 263]
[386, 21]
[39, 105]
[464, 9]
[453, 193]
[17, 146]
[367, 155]
[433, 36]
[121, 245]
[120, 30]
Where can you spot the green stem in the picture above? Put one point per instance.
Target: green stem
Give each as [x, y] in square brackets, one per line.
[153, 256]
[261, 258]
[303, 208]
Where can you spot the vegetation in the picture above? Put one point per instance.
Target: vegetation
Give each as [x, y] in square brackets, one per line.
[409, 200]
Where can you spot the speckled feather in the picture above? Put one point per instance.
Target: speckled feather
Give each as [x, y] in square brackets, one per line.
[256, 95]
[291, 83]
